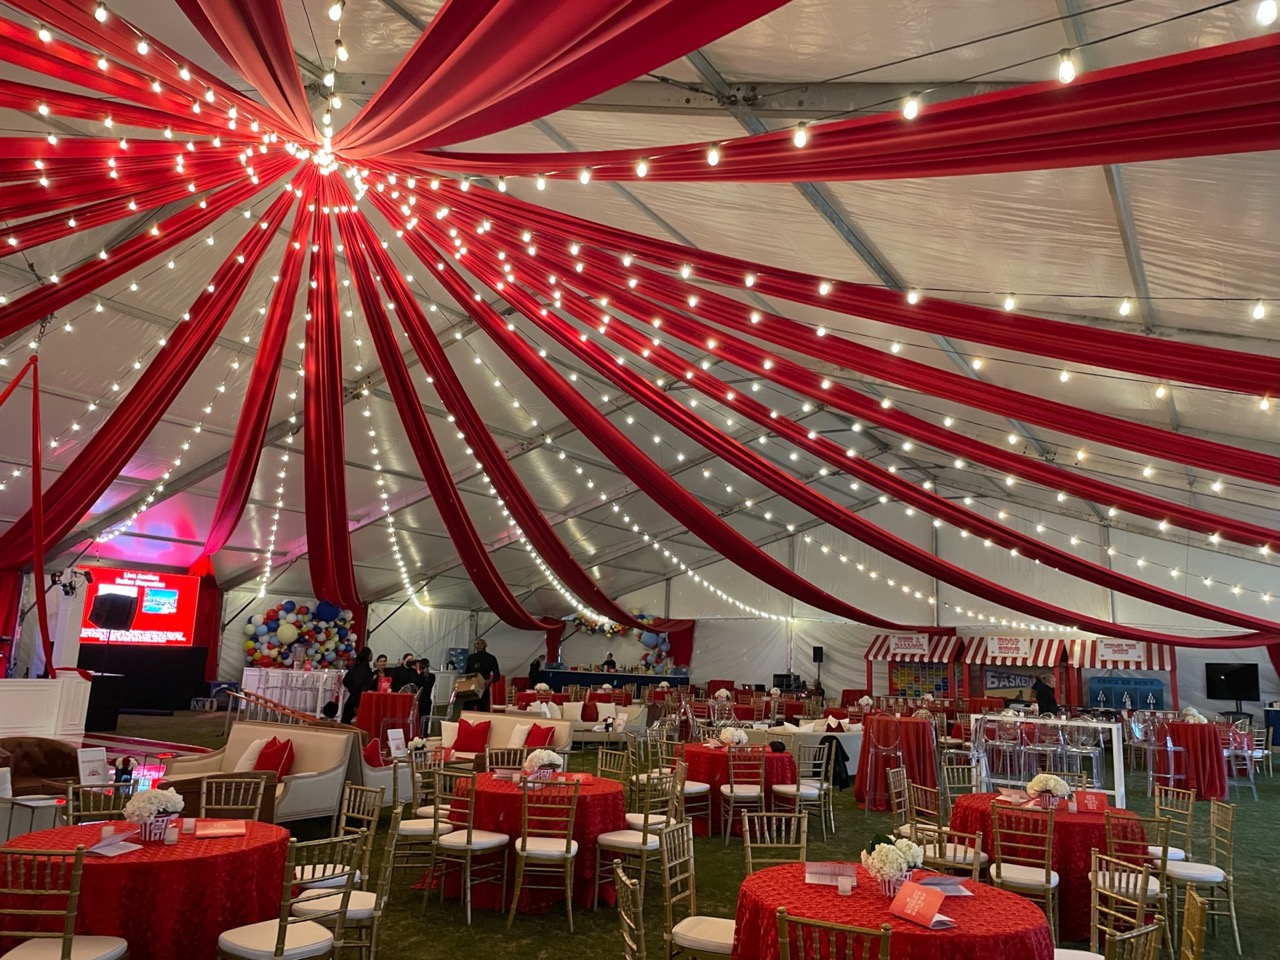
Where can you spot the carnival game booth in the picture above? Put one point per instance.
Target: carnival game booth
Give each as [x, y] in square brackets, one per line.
[1005, 667]
[1096, 660]
[917, 664]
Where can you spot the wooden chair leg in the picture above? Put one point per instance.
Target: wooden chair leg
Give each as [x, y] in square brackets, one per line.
[515, 896]
[568, 892]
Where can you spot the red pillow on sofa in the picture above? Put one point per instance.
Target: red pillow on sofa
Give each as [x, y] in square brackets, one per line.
[373, 754]
[540, 736]
[472, 738]
[277, 756]
[589, 712]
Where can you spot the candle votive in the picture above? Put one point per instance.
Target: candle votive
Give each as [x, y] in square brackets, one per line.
[171, 835]
[188, 824]
[844, 885]
[108, 831]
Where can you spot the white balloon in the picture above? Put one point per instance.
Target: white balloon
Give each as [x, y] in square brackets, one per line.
[250, 630]
[257, 621]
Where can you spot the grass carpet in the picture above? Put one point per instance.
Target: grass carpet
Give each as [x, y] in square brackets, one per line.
[440, 931]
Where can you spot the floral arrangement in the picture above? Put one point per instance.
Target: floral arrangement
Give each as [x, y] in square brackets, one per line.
[733, 736]
[927, 698]
[1047, 783]
[1192, 715]
[887, 858]
[774, 692]
[542, 760]
[866, 703]
[146, 805]
[542, 687]
[416, 744]
[606, 687]
[723, 694]
[664, 685]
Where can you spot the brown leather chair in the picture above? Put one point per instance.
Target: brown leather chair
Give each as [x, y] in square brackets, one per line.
[35, 761]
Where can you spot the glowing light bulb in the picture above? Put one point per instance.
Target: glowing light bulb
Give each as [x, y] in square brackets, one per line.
[801, 135]
[335, 10]
[184, 73]
[913, 296]
[1009, 303]
[44, 34]
[541, 182]
[100, 12]
[911, 107]
[976, 363]
[1064, 376]
[143, 47]
[1259, 309]
[1161, 391]
[713, 154]
[328, 79]
[584, 176]
[502, 184]
[1266, 13]
[340, 50]
[1066, 67]
[1125, 307]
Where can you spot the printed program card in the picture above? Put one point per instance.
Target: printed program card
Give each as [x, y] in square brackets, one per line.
[829, 874]
[1091, 801]
[1014, 796]
[93, 765]
[210, 829]
[920, 904]
[395, 743]
[949, 885]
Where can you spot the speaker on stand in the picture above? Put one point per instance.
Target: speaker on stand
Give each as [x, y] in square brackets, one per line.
[817, 658]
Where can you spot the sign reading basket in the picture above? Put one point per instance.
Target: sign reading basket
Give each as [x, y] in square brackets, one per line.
[908, 644]
[1108, 649]
[1009, 647]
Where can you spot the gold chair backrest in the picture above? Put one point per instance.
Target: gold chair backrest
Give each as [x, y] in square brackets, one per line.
[1119, 896]
[232, 798]
[1178, 806]
[1023, 836]
[89, 802]
[548, 809]
[958, 777]
[772, 838]
[1222, 818]
[924, 805]
[505, 757]
[386, 869]
[1193, 922]
[746, 766]
[1076, 779]
[1131, 838]
[814, 761]
[896, 777]
[454, 795]
[613, 764]
[941, 854]
[679, 882]
[630, 914]
[40, 884]
[1140, 944]
[655, 798]
[799, 939]
[331, 858]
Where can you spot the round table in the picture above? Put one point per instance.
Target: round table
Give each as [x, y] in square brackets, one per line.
[1200, 760]
[527, 697]
[916, 740]
[620, 697]
[379, 712]
[711, 765]
[1074, 836]
[991, 925]
[601, 808]
[174, 901]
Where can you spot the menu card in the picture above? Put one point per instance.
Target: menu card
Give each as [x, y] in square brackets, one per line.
[395, 743]
[829, 874]
[209, 829]
[1091, 801]
[114, 845]
[93, 765]
[919, 904]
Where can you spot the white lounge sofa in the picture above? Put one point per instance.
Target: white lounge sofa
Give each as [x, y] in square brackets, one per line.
[312, 788]
[501, 727]
[636, 716]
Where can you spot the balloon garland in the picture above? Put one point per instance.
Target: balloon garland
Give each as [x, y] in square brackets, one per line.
[657, 646]
[605, 627]
[316, 636]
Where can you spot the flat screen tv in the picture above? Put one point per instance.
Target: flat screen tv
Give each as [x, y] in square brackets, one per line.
[1231, 681]
[139, 607]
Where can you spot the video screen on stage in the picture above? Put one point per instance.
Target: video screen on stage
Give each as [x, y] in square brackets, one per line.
[138, 607]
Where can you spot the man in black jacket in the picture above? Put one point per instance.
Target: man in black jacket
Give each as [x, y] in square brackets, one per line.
[486, 664]
[404, 673]
[358, 679]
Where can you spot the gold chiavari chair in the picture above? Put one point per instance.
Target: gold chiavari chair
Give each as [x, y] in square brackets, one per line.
[744, 789]
[39, 896]
[613, 765]
[813, 708]
[1023, 856]
[960, 775]
[772, 838]
[694, 936]
[653, 807]
[630, 914]
[1140, 944]
[1193, 919]
[812, 789]
[693, 796]
[361, 807]
[1118, 897]
[799, 939]
[88, 803]
[899, 800]
[231, 798]
[479, 856]
[1143, 841]
[924, 808]
[1075, 779]
[546, 850]
[417, 834]
[509, 758]
[320, 935]
[949, 851]
[1212, 880]
[1178, 806]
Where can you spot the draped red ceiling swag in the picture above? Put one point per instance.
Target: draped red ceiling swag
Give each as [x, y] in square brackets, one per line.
[195, 142]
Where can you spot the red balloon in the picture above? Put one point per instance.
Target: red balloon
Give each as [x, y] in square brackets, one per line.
[302, 610]
[272, 614]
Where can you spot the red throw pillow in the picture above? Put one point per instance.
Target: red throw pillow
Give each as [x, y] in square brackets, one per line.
[589, 712]
[540, 736]
[276, 756]
[373, 754]
[472, 738]
[834, 725]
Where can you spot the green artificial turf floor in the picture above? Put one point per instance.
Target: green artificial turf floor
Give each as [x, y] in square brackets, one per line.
[441, 932]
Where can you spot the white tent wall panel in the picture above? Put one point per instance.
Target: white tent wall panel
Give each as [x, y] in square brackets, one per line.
[1191, 685]
[844, 648]
[424, 633]
[748, 651]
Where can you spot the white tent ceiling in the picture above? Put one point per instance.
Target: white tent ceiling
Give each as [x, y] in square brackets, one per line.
[1202, 235]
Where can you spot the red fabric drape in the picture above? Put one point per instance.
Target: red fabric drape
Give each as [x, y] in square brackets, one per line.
[10, 600]
[730, 450]
[251, 37]
[246, 445]
[107, 452]
[681, 653]
[1211, 101]
[466, 78]
[324, 463]
[1164, 360]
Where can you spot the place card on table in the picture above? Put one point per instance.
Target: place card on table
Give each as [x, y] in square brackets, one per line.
[93, 765]
[920, 904]
[211, 829]
[828, 874]
[949, 885]
[1091, 801]
[1013, 796]
[114, 845]
[583, 778]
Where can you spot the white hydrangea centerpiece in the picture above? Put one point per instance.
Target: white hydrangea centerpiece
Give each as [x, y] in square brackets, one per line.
[542, 687]
[606, 687]
[664, 685]
[1192, 715]
[890, 860]
[865, 702]
[541, 762]
[733, 736]
[416, 744]
[723, 694]
[146, 805]
[774, 692]
[1045, 787]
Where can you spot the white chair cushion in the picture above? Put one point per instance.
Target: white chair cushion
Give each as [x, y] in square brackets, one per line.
[1017, 876]
[82, 948]
[1175, 853]
[1105, 883]
[635, 821]
[627, 840]
[1076, 955]
[739, 790]
[545, 848]
[1188, 871]
[814, 782]
[257, 941]
[424, 813]
[322, 875]
[805, 791]
[480, 840]
[425, 828]
[907, 830]
[693, 788]
[360, 905]
[704, 934]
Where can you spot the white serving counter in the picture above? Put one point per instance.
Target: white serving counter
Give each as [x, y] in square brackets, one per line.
[44, 708]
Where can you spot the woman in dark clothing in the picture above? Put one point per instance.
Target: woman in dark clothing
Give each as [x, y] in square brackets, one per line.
[358, 679]
[535, 672]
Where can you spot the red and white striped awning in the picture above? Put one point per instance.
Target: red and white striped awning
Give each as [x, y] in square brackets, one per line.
[1103, 653]
[893, 646]
[1032, 652]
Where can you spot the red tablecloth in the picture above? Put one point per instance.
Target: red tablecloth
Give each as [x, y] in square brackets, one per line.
[1200, 760]
[383, 711]
[174, 901]
[916, 743]
[1074, 836]
[790, 710]
[714, 685]
[711, 765]
[524, 699]
[991, 925]
[600, 696]
[601, 808]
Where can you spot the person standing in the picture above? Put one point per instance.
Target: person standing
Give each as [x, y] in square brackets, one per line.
[609, 663]
[485, 664]
[358, 679]
[1046, 701]
[535, 672]
[426, 688]
[404, 673]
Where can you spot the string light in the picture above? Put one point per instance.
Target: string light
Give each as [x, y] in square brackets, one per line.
[1259, 309]
[1066, 67]
[801, 135]
[1009, 303]
[340, 50]
[1266, 13]
[911, 107]
[713, 154]
[1125, 307]
[100, 12]
[335, 10]
[584, 176]
[642, 167]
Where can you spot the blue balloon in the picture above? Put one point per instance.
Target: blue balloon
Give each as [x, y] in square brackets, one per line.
[273, 625]
[650, 639]
[665, 645]
[327, 611]
[261, 630]
[288, 606]
[342, 632]
[331, 656]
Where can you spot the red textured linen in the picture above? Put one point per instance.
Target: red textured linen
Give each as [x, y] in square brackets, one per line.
[711, 765]
[915, 739]
[1200, 760]
[174, 901]
[1075, 835]
[379, 712]
[601, 809]
[465, 78]
[991, 925]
